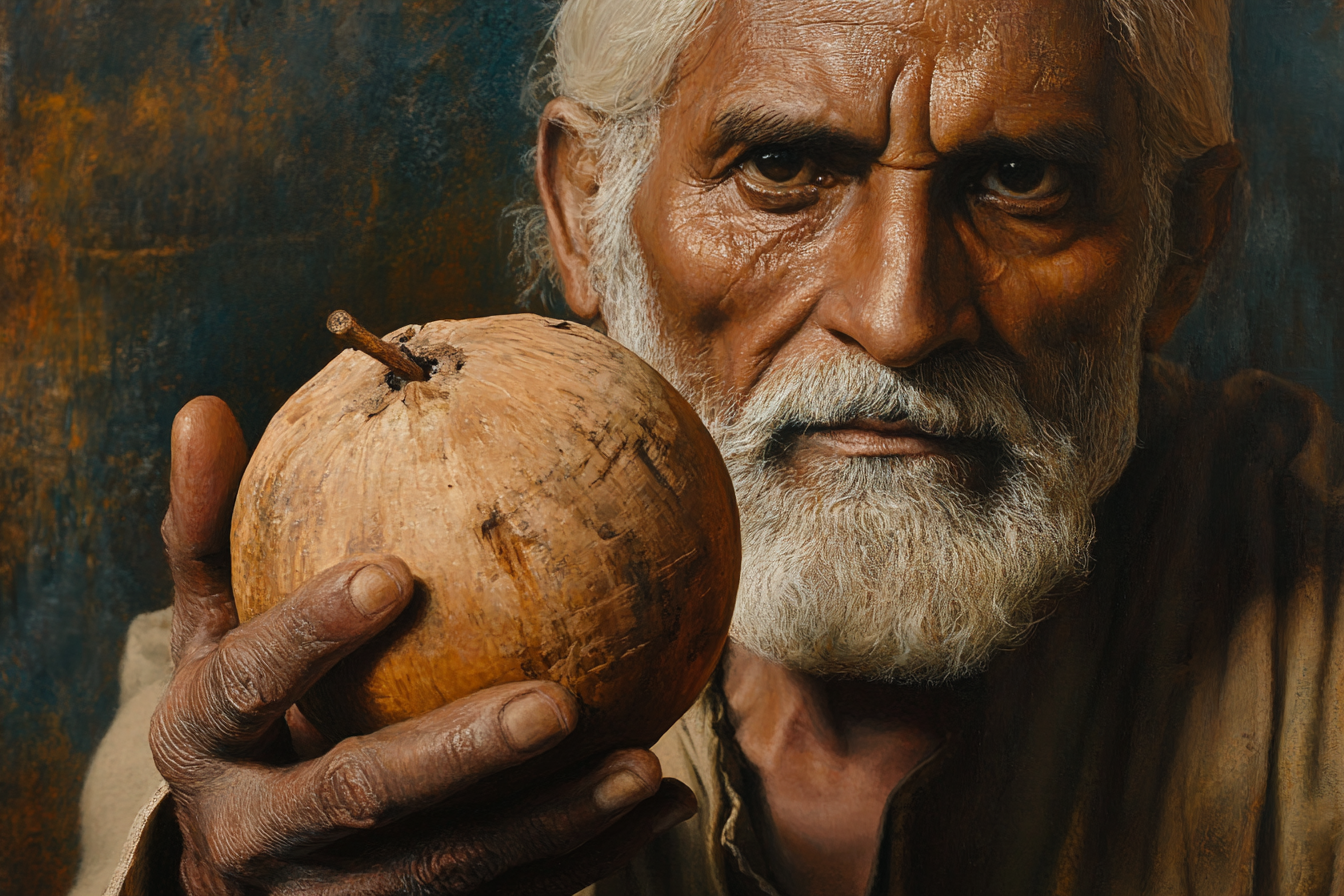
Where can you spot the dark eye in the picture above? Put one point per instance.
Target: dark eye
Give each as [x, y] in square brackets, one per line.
[779, 165]
[782, 178]
[1022, 175]
[1023, 178]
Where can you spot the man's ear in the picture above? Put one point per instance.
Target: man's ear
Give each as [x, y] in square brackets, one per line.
[1201, 208]
[567, 180]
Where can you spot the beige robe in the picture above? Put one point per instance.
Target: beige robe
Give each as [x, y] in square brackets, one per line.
[1176, 726]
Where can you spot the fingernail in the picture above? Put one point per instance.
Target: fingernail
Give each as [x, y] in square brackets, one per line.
[620, 791]
[531, 722]
[373, 589]
[671, 817]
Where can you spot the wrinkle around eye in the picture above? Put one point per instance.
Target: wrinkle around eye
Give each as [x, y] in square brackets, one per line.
[780, 200]
[1028, 207]
[1052, 181]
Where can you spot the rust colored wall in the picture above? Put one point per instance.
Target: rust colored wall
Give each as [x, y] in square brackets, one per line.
[188, 186]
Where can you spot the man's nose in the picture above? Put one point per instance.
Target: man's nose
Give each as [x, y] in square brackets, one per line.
[904, 292]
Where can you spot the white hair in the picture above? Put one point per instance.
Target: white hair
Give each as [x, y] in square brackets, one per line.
[618, 59]
[880, 569]
[1176, 52]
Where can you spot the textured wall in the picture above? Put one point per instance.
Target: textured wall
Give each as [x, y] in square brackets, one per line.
[1278, 301]
[187, 186]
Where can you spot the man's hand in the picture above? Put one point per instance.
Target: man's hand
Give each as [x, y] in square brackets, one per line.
[257, 818]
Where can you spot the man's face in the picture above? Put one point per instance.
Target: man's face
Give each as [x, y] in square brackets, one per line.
[898, 253]
[865, 174]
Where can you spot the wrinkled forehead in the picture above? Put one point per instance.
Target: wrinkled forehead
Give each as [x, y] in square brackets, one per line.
[980, 64]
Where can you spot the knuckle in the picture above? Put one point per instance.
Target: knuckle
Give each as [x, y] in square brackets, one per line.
[463, 749]
[464, 868]
[173, 741]
[548, 834]
[300, 628]
[171, 756]
[225, 852]
[240, 682]
[349, 793]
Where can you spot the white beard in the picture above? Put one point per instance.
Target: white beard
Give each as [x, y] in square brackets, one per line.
[901, 568]
[893, 568]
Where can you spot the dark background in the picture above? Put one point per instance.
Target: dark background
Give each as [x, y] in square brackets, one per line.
[188, 186]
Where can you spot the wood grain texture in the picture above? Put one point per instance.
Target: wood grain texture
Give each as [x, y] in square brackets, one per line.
[342, 325]
[565, 513]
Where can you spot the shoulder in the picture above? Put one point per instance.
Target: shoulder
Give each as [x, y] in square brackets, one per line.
[1288, 425]
[1253, 448]
[1228, 524]
[1253, 417]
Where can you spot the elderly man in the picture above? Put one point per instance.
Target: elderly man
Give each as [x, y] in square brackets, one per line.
[907, 259]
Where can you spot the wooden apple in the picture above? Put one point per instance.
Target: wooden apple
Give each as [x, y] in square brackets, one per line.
[565, 513]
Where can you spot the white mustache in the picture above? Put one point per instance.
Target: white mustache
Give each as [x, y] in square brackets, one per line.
[968, 395]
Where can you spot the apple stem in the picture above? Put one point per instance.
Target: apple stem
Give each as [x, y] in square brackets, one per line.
[344, 326]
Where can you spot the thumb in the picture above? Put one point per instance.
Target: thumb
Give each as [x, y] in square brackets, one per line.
[208, 458]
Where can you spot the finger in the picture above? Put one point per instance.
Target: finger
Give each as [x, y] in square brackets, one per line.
[370, 781]
[208, 458]
[605, 854]
[261, 668]
[473, 854]
[307, 741]
[476, 855]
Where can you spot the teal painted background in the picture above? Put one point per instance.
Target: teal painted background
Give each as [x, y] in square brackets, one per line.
[188, 186]
[1278, 301]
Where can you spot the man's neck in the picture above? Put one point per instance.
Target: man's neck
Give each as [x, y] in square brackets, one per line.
[829, 753]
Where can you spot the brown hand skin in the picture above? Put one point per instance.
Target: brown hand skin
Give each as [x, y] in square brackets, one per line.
[266, 807]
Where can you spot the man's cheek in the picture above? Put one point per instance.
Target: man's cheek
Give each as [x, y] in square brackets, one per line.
[714, 261]
[688, 248]
[735, 288]
[1082, 295]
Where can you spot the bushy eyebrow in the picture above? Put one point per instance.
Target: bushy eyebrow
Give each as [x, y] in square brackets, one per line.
[762, 126]
[1072, 143]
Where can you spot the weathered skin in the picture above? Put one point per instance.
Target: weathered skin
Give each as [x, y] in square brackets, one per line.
[886, 240]
[257, 791]
[887, 245]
